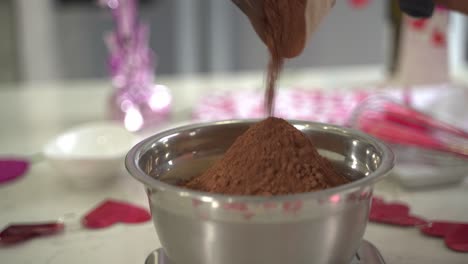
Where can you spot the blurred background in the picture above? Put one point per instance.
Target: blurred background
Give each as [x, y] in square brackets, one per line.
[63, 39]
[367, 67]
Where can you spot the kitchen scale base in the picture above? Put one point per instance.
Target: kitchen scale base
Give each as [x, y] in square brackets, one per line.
[367, 254]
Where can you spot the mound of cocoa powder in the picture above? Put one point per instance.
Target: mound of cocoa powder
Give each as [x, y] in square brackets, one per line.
[271, 158]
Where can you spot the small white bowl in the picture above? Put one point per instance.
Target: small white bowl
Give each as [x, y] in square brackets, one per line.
[90, 154]
[419, 168]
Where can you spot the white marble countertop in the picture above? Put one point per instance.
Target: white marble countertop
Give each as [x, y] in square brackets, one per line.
[31, 114]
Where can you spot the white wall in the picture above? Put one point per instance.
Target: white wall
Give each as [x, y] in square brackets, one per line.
[37, 40]
[8, 64]
[458, 43]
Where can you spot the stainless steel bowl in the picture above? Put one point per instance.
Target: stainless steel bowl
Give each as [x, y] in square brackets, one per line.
[203, 228]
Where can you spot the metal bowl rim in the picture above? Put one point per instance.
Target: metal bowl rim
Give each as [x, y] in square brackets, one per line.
[133, 156]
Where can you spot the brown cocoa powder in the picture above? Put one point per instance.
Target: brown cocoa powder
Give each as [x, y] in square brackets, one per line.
[285, 26]
[271, 158]
[285, 36]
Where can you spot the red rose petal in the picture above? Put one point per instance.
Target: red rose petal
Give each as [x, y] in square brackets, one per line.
[455, 233]
[438, 228]
[393, 214]
[404, 221]
[457, 239]
[16, 233]
[409, 220]
[111, 212]
[377, 199]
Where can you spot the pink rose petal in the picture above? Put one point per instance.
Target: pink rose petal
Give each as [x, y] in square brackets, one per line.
[11, 169]
[393, 214]
[17, 233]
[455, 234]
[111, 212]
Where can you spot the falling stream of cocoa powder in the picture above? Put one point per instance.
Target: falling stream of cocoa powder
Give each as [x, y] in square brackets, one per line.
[285, 35]
[273, 30]
[274, 68]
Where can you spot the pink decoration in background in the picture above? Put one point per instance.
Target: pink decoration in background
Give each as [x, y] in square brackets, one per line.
[422, 56]
[136, 100]
[412, 118]
[392, 132]
[455, 234]
[439, 38]
[441, 8]
[106, 214]
[418, 24]
[436, 29]
[398, 124]
[316, 105]
[18, 233]
[384, 117]
[393, 214]
[111, 212]
[359, 4]
[12, 168]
